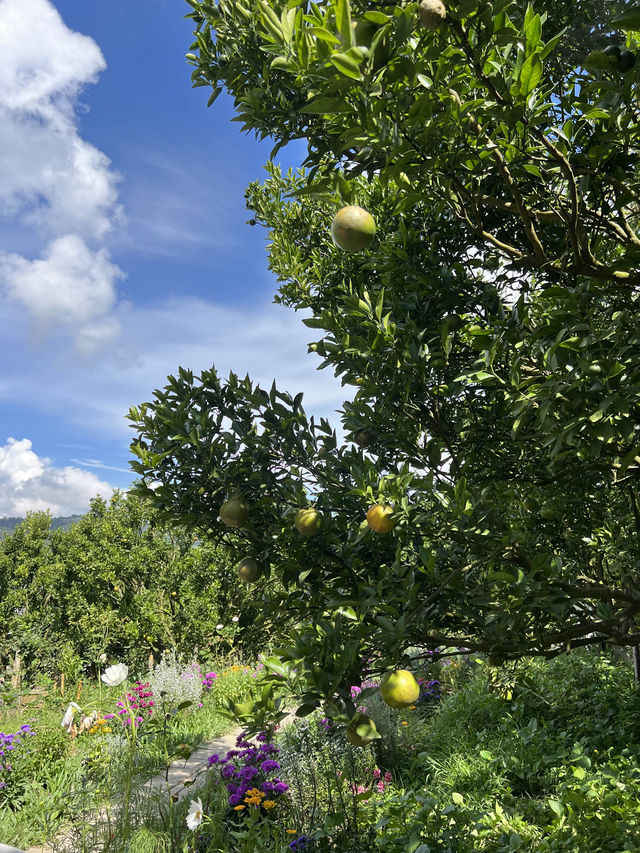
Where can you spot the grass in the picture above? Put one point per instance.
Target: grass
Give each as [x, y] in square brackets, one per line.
[62, 778]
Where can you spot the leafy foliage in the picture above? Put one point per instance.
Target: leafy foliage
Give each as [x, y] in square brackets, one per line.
[490, 332]
[120, 583]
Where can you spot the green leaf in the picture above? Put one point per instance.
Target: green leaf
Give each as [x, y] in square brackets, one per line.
[532, 33]
[324, 35]
[343, 20]
[321, 106]
[530, 74]
[284, 64]
[628, 20]
[346, 65]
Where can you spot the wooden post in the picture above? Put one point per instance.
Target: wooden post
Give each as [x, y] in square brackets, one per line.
[636, 662]
[62, 683]
[15, 675]
[79, 691]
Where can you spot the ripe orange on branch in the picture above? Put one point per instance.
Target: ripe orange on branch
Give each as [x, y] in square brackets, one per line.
[380, 518]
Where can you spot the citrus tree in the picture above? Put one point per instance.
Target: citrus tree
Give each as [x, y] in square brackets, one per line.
[488, 333]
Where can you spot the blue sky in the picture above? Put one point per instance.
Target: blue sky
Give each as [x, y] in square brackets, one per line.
[123, 245]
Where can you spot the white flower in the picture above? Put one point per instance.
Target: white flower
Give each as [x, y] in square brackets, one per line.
[195, 815]
[67, 720]
[103, 658]
[114, 675]
[235, 618]
[219, 627]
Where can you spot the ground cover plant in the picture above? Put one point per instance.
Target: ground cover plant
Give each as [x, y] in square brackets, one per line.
[71, 762]
[540, 756]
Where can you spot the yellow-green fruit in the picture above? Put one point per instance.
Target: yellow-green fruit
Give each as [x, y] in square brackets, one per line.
[380, 518]
[351, 732]
[234, 512]
[431, 14]
[249, 570]
[353, 228]
[308, 521]
[399, 689]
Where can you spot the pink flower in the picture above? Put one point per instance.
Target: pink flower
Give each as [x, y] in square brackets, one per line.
[376, 773]
[388, 777]
[360, 789]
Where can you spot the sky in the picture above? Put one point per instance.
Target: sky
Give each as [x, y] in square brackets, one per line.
[124, 248]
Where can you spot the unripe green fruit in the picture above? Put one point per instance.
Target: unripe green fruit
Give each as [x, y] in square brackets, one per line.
[627, 61]
[431, 13]
[249, 570]
[308, 521]
[351, 732]
[234, 512]
[399, 689]
[453, 321]
[547, 511]
[353, 228]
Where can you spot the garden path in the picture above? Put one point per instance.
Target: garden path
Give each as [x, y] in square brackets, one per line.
[181, 780]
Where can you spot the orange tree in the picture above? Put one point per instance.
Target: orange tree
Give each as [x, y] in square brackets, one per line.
[490, 332]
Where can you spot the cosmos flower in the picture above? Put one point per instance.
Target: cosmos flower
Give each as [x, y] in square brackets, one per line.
[115, 675]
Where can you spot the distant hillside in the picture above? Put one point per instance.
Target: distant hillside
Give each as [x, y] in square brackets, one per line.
[8, 525]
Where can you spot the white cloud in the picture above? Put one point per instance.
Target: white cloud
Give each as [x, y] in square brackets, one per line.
[70, 286]
[29, 482]
[266, 341]
[51, 178]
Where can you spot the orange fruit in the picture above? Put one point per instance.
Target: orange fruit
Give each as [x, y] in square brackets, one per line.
[308, 521]
[353, 228]
[234, 512]
[249, 570]
[399, 689]
[380, 518]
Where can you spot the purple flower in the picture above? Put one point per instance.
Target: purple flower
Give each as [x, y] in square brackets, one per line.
[247, 773]
[235, 800]
[280, 788]
[227, 772]
[269, 765]
[214, 759]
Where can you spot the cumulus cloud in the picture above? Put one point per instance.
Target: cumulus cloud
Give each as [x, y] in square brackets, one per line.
[70, 286]
[52, 179]
[29, 482]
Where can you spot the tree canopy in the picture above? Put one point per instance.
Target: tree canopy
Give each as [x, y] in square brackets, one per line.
[489, 333]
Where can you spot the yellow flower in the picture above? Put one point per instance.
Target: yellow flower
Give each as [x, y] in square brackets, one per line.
[252, 801]
[292, 831]
[412, 707]
[238, 808]
[255, 792]
[405, 723]
[268, 804]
